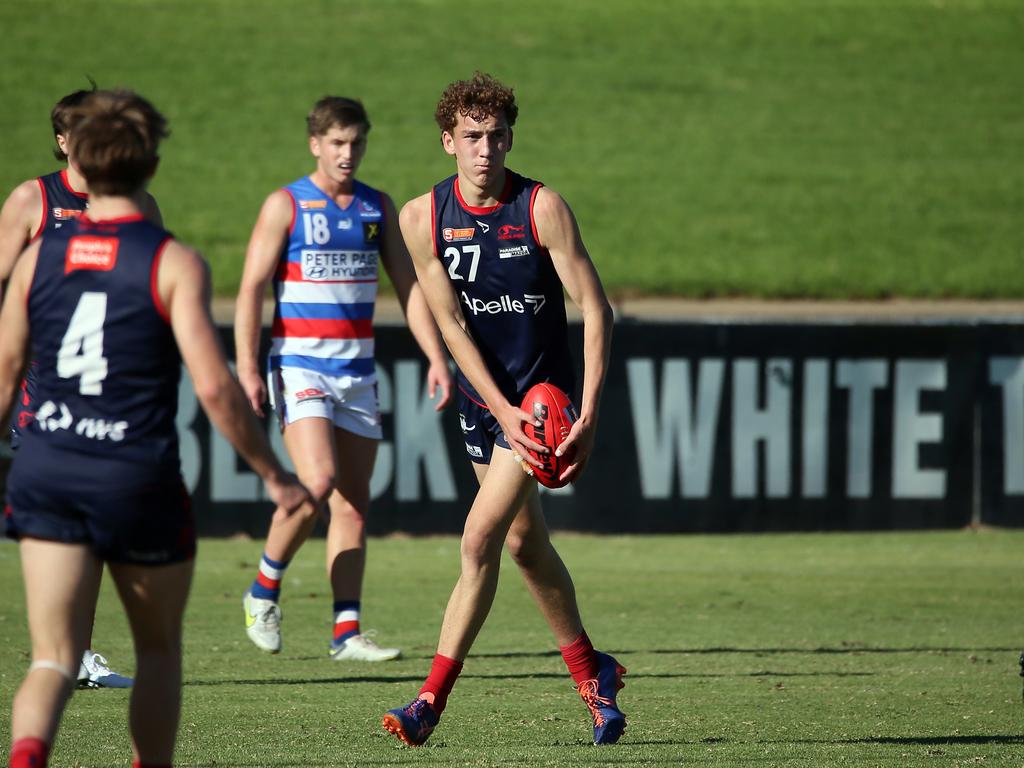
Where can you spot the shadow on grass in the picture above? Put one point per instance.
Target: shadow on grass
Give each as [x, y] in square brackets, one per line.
[909, 740]
[377, 679]
[843, 649]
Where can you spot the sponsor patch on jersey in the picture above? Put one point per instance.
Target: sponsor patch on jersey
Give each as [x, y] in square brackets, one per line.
[312, 205]
[455, 235]
[371, 231]
[513, 251]
[510, 232]
[91, 252]
[368, 209]
[65, 214]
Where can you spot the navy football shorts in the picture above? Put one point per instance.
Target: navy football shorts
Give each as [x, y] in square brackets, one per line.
[480, 429]
[145, 524]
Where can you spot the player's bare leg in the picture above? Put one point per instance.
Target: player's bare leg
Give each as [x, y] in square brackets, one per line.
[310, 444]
[61, 585]
[502, 493]
[598, 676]
[154, 598]
[346, 548]
[547, 578]
[348, 506]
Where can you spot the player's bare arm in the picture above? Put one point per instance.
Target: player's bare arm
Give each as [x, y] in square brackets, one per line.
[14, 322]
[261, 259]
[183, 282]
[444, 304]
[20, 217]
[398, 265]
[559, 233]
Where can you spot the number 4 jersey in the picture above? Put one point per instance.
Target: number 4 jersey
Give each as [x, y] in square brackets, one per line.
[507, 286]
[107, 366]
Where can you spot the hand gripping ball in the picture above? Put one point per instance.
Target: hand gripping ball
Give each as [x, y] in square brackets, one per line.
[556, 414]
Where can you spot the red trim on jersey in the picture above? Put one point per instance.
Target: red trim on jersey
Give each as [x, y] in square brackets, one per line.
[129, 219]
[533, 222]
[292, 271]
[42, 219]
[72, 190]
[153, 288]
[295, 208]
[473, 399]
[484, 210]
[322, 328]
[433, 224]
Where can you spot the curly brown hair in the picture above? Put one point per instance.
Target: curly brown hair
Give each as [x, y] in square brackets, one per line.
[478, 98]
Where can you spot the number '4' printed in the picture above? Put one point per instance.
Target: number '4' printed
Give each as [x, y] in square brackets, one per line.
[81, 349]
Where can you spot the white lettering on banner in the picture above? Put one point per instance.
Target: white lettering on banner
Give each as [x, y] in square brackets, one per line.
[769, 425]
[862, 378]
[420, 438]
[384, 465]
[1008, 373]
[814, 464]
[674, 422]
[911, 428]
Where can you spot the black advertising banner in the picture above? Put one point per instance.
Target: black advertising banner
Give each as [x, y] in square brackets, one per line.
[712, 427]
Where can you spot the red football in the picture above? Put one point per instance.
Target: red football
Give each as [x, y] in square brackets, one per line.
[553, 408]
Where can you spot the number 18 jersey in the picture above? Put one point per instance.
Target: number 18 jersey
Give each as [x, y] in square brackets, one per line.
[107, 366]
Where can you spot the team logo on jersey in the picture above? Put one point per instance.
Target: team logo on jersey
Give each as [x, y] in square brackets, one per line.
[513, 251]
[91, 252]
[368, 208]
[485, 228]
[455, 235]
[371, 231]
[344, 223]
[510, 232]
[312, 205]
[65, 214]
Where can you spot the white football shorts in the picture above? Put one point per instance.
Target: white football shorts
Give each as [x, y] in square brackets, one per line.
[349, 402]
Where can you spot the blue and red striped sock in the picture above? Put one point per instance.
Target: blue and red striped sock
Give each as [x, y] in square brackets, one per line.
[267, 585]
[346, 621]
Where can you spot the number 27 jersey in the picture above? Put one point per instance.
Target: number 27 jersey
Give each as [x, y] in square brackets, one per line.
[507, 286]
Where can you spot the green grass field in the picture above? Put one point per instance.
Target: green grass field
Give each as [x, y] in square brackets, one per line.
[797, 650]
[776, 148]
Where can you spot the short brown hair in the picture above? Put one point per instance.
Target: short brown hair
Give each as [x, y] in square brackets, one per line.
[115, 140]
[336, 110]
[60, 116]
[477, 98]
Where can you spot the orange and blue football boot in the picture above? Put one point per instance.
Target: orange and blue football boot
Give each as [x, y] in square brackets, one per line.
[413, 724]
[599, 696]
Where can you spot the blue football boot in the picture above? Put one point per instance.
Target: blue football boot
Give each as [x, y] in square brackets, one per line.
[599, 696]
[413, 724]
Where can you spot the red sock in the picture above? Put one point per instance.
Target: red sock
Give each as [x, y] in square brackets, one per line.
[29, 753]
[581, 658]
[443, 674]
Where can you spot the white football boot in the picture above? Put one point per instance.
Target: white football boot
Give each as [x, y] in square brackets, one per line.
[363, 648]
[93, 672]
[262, 622]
